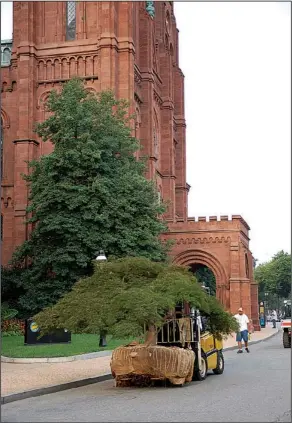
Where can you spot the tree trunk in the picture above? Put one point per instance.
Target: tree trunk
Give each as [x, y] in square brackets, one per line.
[150, 336]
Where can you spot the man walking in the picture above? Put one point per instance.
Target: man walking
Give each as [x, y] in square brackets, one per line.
[274, 318]
[243, 321]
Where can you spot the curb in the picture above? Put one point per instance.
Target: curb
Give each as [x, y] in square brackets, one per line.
[88, 356]
[54, 388]
[84, 382]
[253, 342]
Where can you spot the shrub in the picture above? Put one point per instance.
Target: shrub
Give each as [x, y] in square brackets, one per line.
[12, 327]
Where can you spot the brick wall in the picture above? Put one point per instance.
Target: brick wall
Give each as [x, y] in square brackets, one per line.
[118, 45]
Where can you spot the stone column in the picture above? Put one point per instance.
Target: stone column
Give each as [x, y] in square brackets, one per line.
[254, 305]
[235, 294]
[26, 145]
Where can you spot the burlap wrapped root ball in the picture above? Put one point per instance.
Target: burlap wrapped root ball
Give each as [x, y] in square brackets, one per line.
[154, 362]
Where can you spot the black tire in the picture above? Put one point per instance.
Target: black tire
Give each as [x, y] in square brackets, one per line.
[286, 340]
[220, 364]
[198, 375]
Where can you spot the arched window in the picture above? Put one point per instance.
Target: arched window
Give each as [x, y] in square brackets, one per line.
[156, 137]
[6, 55]
[70, 20]
[246, 266]
[137, 124]
[159, 194]
[155, 141]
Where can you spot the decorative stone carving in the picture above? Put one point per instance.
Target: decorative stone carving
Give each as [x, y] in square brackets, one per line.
[57, 69]
[204, 240]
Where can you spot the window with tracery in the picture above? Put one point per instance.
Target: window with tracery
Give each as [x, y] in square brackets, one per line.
[156, 137]
[70, 20]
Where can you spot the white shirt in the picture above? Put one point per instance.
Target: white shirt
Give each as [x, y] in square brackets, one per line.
[242, 320]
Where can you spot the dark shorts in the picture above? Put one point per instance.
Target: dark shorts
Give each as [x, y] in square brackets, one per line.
[243, 335]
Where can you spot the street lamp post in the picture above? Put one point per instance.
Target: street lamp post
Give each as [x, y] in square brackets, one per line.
[102, 336]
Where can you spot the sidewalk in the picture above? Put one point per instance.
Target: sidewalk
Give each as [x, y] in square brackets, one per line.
[17, 378]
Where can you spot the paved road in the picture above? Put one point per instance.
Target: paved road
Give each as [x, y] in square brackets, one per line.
[255, 387]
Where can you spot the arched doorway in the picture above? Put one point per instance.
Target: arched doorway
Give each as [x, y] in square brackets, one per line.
[199, 258]
[205, 277]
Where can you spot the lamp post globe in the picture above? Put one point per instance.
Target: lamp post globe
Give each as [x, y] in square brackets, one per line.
[101, 256]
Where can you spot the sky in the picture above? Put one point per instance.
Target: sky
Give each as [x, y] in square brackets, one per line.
[236, 58]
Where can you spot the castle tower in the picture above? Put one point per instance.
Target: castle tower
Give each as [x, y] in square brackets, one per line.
[129, 47]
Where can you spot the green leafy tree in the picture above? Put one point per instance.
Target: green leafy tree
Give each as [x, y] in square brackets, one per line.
[123, 296]
[7, 312]
[12, 287]
[89, 194]
[205, 275]
[274, 277]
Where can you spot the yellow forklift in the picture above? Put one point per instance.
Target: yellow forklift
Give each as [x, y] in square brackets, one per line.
[186, 328]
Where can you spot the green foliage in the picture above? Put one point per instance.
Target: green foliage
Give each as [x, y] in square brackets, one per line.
[12, 286]
[7, 312]
[124, 295]
[11, 333]
[204, 274]
[220, 323]
[274, 277]
[89, 194]
[12, 326]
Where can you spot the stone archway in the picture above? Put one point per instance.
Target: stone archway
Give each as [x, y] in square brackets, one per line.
[223, 246]
[194, 256]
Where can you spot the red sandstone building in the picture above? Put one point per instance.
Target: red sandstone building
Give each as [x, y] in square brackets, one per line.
[132, 48]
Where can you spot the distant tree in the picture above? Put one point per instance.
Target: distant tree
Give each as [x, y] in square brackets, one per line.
[122, 296]
[89, 194]
[274, 277]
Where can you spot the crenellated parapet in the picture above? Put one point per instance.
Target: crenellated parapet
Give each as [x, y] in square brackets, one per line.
[222, 218]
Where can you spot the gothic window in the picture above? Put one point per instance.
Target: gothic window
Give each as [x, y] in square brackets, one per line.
[159, 196]
[137, 124]
[156, 137]
[71, 21]
[246, 266]
[155, 142]
[5, 56]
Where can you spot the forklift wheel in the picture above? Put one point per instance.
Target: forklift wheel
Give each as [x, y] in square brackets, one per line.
[201, 374]
[220, 364]
[286, 340]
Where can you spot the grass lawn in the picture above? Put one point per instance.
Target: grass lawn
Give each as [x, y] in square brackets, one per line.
[13, 346]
